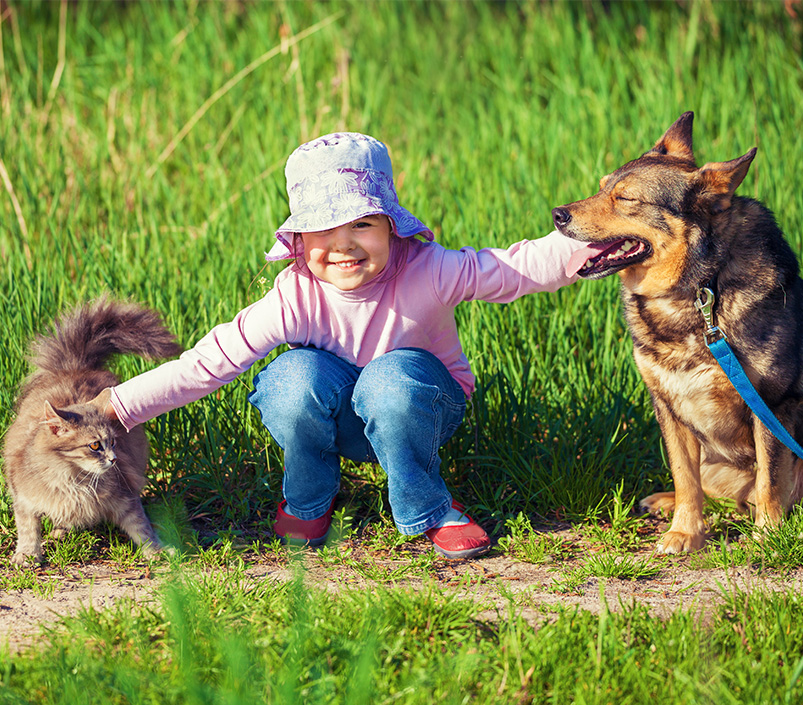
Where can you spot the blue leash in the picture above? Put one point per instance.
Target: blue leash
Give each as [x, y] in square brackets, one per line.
[717, 343]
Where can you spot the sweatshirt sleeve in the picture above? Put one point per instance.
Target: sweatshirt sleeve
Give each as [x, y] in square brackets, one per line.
[501, 276]
[220, 356]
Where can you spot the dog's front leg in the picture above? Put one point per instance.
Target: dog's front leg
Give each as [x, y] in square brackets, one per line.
[775, 477]
[687, 532]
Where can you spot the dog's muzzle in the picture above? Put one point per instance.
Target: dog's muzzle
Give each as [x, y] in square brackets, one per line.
[561, 216]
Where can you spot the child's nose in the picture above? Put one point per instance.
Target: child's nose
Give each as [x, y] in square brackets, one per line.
[342, 239]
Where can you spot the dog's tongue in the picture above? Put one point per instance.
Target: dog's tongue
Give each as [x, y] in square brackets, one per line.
[580, 257]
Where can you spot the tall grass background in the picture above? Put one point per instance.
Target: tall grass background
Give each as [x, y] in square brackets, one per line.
[142, 148]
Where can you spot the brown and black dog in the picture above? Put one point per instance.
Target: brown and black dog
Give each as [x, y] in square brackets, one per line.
[669, 228]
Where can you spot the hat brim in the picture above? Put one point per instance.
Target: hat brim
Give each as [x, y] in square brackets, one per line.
[403, 224]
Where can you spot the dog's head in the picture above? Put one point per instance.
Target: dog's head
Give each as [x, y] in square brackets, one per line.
[648, 213]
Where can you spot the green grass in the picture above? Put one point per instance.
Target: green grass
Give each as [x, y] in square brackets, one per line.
[230, 640]
[137, 159]
[526, 544]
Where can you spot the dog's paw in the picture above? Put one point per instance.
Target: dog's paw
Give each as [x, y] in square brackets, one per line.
[762, 531]
[674, 542]
[769, 516]
[658, 504]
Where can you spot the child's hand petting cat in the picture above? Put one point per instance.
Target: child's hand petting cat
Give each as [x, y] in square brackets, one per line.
[103, 402]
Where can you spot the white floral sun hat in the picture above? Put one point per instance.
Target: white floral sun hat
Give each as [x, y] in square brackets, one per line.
[338, 178]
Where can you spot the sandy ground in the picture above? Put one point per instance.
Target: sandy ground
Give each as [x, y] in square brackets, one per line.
[24, 613]
[495, 581]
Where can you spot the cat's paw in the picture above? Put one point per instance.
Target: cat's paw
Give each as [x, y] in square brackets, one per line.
[150, 549]
[156, 550]
[20, 558]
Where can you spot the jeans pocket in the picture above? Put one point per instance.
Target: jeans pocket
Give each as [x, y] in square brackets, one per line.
[452, 415]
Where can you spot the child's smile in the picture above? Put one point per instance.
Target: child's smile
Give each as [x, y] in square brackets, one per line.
[348, 265]
[349, 255]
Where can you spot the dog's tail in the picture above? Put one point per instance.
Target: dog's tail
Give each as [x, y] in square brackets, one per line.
[84, 338]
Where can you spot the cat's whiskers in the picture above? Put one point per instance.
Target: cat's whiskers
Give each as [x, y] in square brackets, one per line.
[87, 483]
[121, 478]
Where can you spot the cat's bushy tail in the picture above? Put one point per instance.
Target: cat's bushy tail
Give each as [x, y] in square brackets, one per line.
[83, 338]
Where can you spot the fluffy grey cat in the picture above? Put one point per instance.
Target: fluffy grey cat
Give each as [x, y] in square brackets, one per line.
[64, 458]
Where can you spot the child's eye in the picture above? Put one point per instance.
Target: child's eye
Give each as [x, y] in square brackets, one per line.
[95, 446]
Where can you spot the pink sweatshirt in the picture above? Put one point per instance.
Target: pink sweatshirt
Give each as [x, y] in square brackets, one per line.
[414, 309]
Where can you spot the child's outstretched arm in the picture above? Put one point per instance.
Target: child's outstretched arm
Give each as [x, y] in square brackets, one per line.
[220, 356]
[503, 275]
[103, 402]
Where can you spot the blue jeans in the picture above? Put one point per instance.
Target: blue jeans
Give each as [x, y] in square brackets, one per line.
[398, 410]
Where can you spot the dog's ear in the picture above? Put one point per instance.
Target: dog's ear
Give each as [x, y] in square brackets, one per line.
[676, 141]
[721, 179]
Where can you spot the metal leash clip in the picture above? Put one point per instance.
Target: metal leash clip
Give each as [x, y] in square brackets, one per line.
[705, 305]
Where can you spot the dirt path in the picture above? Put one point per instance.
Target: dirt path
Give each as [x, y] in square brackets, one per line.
[25, 613]
[495, 582]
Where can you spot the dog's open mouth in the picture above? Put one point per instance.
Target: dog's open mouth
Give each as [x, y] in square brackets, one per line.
[599, 259]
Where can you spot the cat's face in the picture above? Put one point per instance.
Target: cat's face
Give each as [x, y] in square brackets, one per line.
[83, 436]
[97, 456]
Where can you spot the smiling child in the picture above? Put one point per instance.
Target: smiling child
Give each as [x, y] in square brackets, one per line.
[376, 371]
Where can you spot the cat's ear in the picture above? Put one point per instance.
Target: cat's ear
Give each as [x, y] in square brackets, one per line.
[55, 421]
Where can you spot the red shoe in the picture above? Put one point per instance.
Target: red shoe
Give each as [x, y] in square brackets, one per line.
[463, 541]
[302, 532]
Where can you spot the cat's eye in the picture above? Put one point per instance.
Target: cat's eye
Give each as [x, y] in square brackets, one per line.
[95, 445]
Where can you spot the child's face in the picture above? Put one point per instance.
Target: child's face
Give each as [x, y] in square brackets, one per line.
[350, 255]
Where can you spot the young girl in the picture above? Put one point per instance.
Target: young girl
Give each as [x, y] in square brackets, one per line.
[375, 372]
